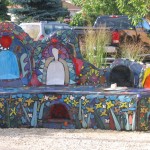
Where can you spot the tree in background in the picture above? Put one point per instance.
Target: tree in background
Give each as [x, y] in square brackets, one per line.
[38, 10]
[93, 8]
[135, 9]
[3, 10]
[77, 2]
[79, 20]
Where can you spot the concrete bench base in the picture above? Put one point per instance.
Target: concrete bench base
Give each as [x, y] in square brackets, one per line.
[75, 107]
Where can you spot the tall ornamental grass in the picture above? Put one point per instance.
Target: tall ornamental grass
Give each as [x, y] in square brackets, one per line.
[133, 51]
[95, 46]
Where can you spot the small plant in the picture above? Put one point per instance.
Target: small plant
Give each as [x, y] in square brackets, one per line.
[94, 49]
[133, 51]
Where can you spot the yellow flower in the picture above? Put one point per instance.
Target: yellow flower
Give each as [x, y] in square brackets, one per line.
[99, 105]
[103, 113]
[52, 98]
[149, 100]
[144, 110]
[124, 105]
[85, 102]
[13, 111]
[42, 99]
[29, 101]
[75, 103]
[67, 100]
[20, 99]
[90, 109]
[109, 104]
[1, 105]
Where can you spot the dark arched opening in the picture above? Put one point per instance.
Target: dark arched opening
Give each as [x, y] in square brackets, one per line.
[56, 112]
[122, 75]
[59, 111]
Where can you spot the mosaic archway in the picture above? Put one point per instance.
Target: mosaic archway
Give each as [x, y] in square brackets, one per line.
[57, 111]
[70, 40]
[19, 53]
[122, 76]
[134, 67]
[47, 63]
[44, 57]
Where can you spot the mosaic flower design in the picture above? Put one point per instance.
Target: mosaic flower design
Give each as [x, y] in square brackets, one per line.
[1, 105]
[99, 105]
[29, 101]
[94, 78]
[67, 100]
[85, 102]
[90, 109]
[124, 105]
[75, 103]
[103, 113]
[13, 111]
[109, 104]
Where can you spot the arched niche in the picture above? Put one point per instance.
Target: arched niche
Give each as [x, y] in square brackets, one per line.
[56, 112]
[126, 67]
[45, 70]
[20, 55]
[122, 75]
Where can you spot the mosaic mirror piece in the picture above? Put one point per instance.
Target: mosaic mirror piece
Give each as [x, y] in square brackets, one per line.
[55, 71]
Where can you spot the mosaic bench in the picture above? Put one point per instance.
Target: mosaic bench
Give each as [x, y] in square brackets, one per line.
[75, 107]
[49, 84]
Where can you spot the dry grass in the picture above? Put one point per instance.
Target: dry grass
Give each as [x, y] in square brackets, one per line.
[132, 51]
[95, 42]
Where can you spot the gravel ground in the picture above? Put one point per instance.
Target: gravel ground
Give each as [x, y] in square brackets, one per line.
[84, 139]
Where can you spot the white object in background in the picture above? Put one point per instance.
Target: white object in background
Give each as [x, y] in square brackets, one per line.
[113, 86]
[55, 71]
